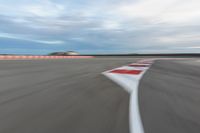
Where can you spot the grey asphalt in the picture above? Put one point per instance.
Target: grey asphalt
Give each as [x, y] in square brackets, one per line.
[169, 97]
[62, 96]
[71, 96]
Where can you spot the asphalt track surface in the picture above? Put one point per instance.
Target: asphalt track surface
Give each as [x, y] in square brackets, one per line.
[62, 96]
[169, 97]
[71, 96]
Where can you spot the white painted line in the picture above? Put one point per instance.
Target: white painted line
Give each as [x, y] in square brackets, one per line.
[134, 68]
[130, 83]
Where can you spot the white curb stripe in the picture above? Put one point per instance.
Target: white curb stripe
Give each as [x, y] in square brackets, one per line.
[130, 83]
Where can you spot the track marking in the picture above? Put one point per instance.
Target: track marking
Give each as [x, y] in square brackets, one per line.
[128, 77]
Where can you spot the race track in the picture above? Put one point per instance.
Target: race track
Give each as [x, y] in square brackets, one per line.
[62, 96]
[169, 97]
[72, 96]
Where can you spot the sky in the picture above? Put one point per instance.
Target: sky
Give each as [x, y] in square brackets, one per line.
[99, 26]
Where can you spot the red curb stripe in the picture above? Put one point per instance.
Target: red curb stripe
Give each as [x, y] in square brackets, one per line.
[123, 71]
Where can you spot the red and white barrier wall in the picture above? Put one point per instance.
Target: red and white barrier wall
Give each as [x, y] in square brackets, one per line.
[12, 57]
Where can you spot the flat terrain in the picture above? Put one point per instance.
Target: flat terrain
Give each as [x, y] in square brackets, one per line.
[62, 96]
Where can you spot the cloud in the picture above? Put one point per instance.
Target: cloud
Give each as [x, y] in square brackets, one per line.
[44, 9]
[26, 38]
[126, 26]
[180, 38]
[194, 47]
[157, 11]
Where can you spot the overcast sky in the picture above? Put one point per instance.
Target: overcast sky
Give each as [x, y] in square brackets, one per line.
[99, 26]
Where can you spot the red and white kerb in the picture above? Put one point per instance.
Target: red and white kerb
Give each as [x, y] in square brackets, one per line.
[128, 77]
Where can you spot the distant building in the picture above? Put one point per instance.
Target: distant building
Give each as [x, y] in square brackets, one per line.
[58, 53]
[72, 53]
[64, 53]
